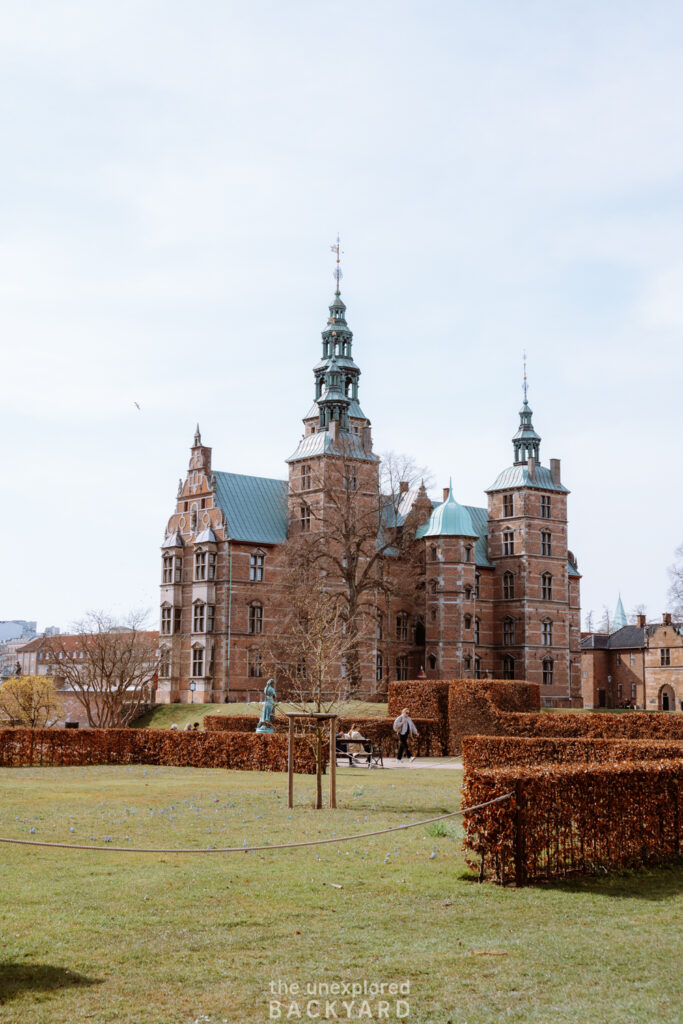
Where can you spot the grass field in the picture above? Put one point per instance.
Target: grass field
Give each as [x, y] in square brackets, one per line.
[164, 715]
[169, 939]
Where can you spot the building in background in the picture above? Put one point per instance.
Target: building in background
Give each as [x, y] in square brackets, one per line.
[639, 666]
[499, 587]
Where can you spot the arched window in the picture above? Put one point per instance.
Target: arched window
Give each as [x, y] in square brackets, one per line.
[548, 666]
[254, 663]
[379, 667]
[477, 584]
[402, 667]
[508, 631]
[508, 667]
[431, 661]
[433, 553]
[380, 626]
[468, 592]
[547, 632]
[468, 622]
[547, 586]
[256, 566]
[508, 542]
[198, 617]
[468, 553]
[477, 630]
[508, 586]
[546, 544]
[255, 618]
[402, 626]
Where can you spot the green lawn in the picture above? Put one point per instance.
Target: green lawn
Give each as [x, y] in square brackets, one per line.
[164, 715]
[160, 939]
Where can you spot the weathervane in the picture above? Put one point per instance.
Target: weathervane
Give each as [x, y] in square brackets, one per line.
[336, 248]
[524, 386]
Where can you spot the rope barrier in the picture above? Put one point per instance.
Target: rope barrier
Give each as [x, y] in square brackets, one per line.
[250, 849]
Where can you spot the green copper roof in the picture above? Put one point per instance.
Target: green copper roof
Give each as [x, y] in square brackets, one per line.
[255, 507]
[519, 476]
[449, 520]
[619, 620]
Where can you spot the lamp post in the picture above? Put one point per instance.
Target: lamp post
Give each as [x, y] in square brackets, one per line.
[193, 687]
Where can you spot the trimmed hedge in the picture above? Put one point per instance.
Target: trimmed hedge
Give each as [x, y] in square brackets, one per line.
[244, 751]
[425, 698]
[566, 820]
[483, 752]
[378, 730]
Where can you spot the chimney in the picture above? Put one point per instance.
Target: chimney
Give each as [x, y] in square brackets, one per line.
[532, 469]
[446, 492]
[641, 621]
[666, 618]
[555, 471]
[403, 487]
[367, 440]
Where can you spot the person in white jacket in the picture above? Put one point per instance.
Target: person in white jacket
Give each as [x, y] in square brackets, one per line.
[404, 727]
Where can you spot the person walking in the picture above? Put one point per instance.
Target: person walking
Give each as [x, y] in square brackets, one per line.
[404, 727]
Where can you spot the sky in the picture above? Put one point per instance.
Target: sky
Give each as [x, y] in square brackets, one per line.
[504, 177]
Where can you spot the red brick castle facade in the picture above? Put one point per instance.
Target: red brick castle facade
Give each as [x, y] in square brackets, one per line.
[494, 591]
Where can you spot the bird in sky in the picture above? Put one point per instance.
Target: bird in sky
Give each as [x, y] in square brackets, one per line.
[137, 406]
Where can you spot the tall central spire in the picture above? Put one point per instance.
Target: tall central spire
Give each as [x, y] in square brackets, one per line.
[526, 442]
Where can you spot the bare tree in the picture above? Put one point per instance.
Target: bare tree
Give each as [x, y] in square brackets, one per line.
[605, 620]
[362, 543]
[676, 588]
[590, 621]
[638, 609]
[307, 655]
[32, 701]
[109, 665]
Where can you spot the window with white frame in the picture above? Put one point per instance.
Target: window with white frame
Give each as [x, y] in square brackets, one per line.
[198, 617]
[197, 662]
[255, 618]
[547, 633]
[167, 569]
[200, 565]
[256, 565]
[508, 542]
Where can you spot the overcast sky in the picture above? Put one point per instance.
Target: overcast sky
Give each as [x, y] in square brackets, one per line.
[503, 176]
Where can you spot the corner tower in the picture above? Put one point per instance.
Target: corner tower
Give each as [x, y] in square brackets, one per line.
[536, 582]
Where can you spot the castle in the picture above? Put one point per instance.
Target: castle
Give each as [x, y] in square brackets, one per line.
[493, 591]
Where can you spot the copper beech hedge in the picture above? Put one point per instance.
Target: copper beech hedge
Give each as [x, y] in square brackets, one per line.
[245, 751]
[574, 819]
[482, 752]
[379, 731]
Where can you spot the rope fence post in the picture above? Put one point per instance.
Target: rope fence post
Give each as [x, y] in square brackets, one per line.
[520, 837]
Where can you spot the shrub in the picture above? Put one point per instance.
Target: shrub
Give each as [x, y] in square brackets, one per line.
[481, 752]
[574, 819]
[245, 751]
[31, 701]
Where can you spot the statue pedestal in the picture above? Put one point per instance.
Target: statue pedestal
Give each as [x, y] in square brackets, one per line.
[264, 728]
